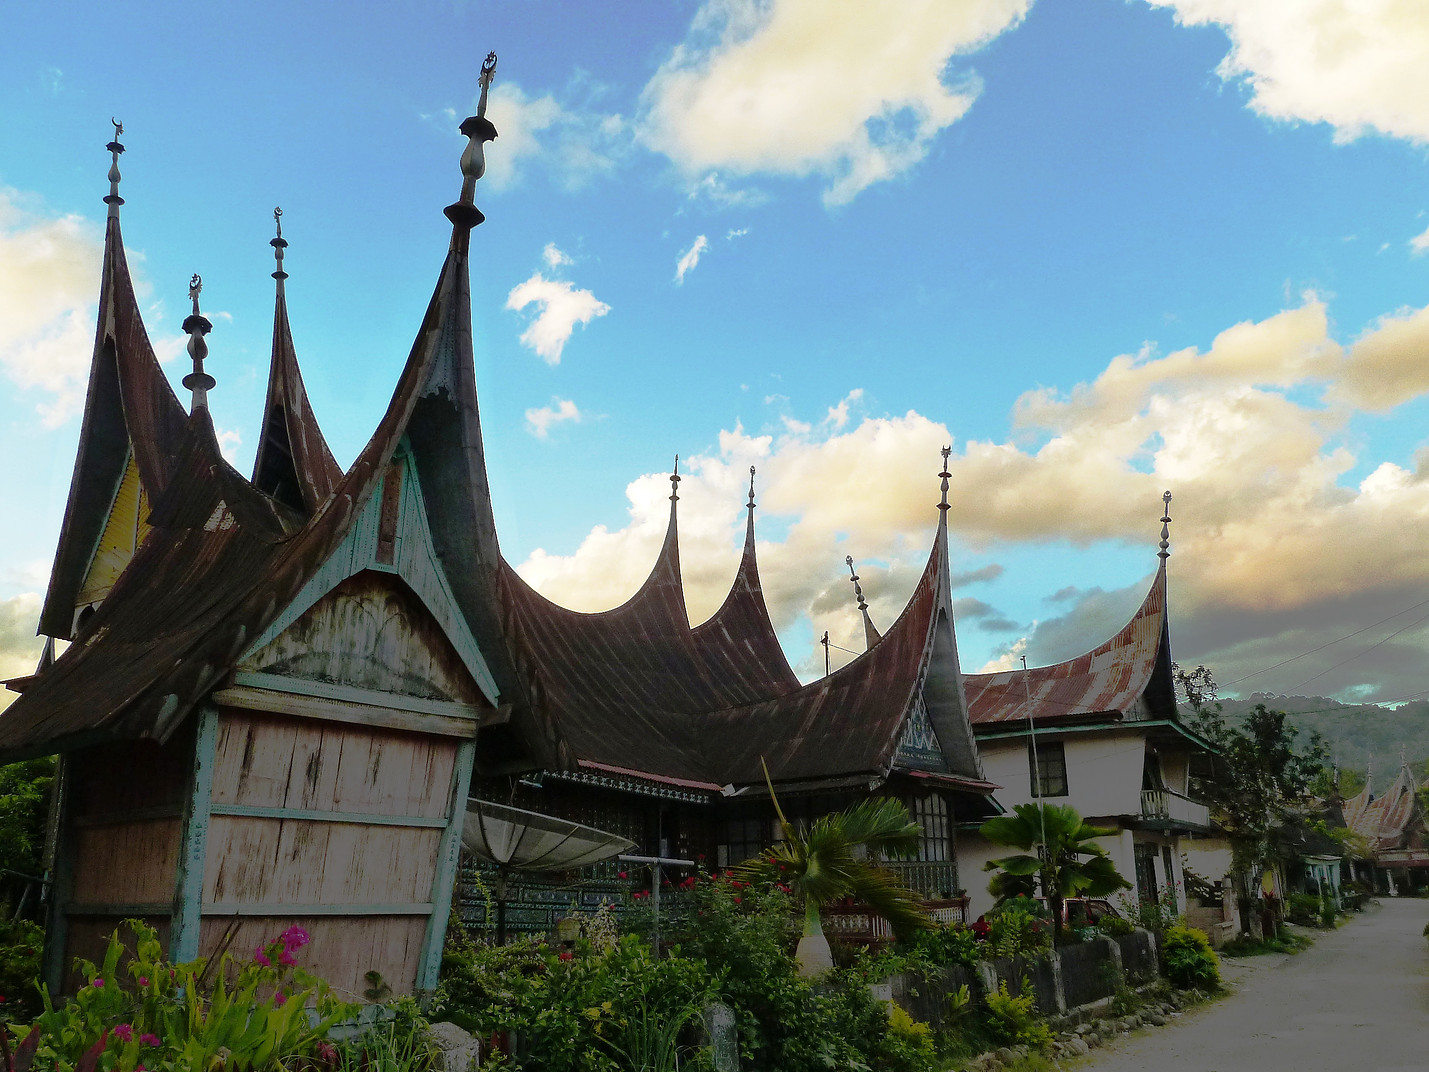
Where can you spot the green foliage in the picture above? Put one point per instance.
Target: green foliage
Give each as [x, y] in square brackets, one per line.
[1019, 927]
[396, 1043]
[1115, 926]
[945, 944]
[139, 1009]
[836, 857]
[1190, 961]
[1059, 848]
[21, 943]
[24, 803]
[1246, 946]
[1303, 909]
[1155, 915]
[1013, 1020]
[911, 1039]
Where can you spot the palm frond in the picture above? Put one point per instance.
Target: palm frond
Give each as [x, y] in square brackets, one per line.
[879, 888]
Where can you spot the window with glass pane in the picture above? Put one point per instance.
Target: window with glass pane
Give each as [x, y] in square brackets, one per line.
[1048, 763]
[934, 841]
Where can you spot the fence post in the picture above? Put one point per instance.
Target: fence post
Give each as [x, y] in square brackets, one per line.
[1058, 991]
[987, 976]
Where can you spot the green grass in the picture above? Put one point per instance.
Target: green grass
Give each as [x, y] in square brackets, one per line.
[1245, 946]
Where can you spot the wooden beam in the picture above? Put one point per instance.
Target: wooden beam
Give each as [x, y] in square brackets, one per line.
[52, 971]
[134, 815]
[310, 815]
[278, 908]
[193, 844]
[247, 698]
[329, 690]
[122, 909]
[444, 878]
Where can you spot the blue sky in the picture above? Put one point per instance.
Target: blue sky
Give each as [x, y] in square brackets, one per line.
[1101, 247]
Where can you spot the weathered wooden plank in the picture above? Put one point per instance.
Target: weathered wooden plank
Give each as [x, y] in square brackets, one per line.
[253, 759]
[120, 909]
[133, 815]
[250, 699]
[352, 694]
[365, 818]
[276, 908]
[444, 874]
[130, 862]
[189, 875]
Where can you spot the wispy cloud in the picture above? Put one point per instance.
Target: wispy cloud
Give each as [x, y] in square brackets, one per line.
[560, 308]
[690, 258]
[1420, 242]
[540, 420]
[553, 257]
[838, 415]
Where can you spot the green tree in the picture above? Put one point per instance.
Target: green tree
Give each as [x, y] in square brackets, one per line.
[836, 857]
[24, 804]
[1060, 852]
[1256, 786]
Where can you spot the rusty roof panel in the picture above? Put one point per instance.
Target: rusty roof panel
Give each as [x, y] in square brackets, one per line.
[1109, 679]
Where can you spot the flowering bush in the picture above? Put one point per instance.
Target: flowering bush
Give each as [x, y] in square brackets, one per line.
[149, 1014]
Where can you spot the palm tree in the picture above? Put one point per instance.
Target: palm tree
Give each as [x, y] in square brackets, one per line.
[837, 857]
[1058, 840]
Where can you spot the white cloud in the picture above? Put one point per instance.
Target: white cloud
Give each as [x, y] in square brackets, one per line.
[690, 258]
[735, 232]
[19, 646]
[1420, 242]
[838, 415]
[852, 90]
[229, 440]
[575, 144]
[553, 257]
[540, 420]
[1358, 65]
[1274, 549]
[561, 308]
[49, 284]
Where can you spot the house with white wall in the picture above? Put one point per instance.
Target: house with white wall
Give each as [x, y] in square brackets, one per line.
[1100, 733]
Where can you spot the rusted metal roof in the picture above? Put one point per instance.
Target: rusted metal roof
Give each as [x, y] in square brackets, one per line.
[1387, 820]
[293, 462]
[737, 646]
[1128, 676]
[129, 408]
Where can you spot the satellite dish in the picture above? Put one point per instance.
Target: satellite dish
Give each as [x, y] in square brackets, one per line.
[519, 840]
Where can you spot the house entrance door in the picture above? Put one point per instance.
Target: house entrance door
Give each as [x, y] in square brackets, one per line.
[1145, 856]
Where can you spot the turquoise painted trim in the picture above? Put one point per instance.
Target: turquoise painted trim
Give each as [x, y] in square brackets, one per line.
[188, 881]
[277, 908]
[307, 815]
[57, 929]
[328, 690]
[416, 563]
[448, 857]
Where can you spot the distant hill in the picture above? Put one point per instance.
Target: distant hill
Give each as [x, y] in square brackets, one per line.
[1353, 732]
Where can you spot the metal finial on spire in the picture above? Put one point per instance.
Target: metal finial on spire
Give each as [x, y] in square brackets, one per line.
[1165, 552]
[279, 244]
[675, 481]
[197, 325]
[751, 487]
[946, 476]
[857, 589]
[113, 200]
[478, 130]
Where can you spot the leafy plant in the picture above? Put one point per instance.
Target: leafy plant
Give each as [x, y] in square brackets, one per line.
[20, 944]
[1190, 961]
[1059, 849]
[945, 944]
[1018, 927]
[1013, 1019]
[24, 803]
[835, 858]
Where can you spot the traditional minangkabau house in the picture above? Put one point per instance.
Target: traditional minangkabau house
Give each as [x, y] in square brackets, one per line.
[277, 692]
[1100, 733]
[1392, 828]
[670, 725]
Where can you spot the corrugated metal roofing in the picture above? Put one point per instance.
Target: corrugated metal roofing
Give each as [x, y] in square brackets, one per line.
[1110, 679]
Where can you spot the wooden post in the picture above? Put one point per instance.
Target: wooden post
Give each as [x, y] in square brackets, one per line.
[193, 844]
[60, 851]
[444, 877]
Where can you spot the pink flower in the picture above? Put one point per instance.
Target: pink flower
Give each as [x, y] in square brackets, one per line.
[143, 980]
[622, 875]
[149, 1040]
[286, 959]
[294, 938]
[261, 957]
[124, 1033]
[98, 984]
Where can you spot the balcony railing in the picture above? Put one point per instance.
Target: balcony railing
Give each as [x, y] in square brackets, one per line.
[1172, 807]
[928, 879]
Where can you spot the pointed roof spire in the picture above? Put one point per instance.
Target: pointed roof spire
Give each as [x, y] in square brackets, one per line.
[197, 325]
[871, 635]
[1165, 551]
[479, 130]
[751, 487]
[113, 200]
[293, 462]
[946, 476]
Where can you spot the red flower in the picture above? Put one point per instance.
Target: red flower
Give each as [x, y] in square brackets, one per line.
[566, 954]
[149, 1040]
[143, 980]
[622, 875]
[124, 1033]
[98, 984]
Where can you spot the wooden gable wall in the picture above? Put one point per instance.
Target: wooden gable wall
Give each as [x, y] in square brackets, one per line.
[124, 530]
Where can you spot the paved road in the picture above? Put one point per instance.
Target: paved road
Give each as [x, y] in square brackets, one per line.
[1357, 1001]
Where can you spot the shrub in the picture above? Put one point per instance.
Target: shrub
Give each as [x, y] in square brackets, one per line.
[1190, 961]
[1013, 1020]
[1019, 927]
[912, 1040]
[945, 945]
[1302, 909]
[20, 944]
[1115, 926]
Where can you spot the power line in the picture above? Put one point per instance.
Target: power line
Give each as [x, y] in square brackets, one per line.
[1367, 650]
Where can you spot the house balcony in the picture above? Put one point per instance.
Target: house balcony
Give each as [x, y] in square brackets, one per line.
[1162, 807]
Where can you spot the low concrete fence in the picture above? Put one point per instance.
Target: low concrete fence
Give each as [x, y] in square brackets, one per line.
[1061, 982]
